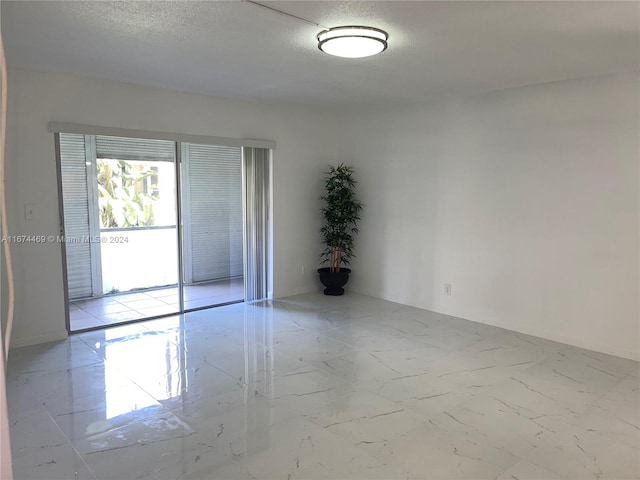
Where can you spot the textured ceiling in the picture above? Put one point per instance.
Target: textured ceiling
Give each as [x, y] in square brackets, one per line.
[236, 49]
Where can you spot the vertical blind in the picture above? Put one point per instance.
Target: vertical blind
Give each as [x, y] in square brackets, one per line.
[256, 164]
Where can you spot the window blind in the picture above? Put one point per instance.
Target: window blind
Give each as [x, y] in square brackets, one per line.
[75, 199]
[213, 186]
[257, 168]
[125, 148]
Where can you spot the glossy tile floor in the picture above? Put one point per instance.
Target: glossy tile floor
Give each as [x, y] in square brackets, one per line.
[315, 387]
[114, 309]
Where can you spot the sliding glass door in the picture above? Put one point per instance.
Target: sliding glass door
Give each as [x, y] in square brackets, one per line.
[212, 222]
[121, 235]
[152, 227]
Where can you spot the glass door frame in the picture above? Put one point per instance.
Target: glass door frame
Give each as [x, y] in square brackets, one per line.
[180, 236]
[91, 169]
[96, 230]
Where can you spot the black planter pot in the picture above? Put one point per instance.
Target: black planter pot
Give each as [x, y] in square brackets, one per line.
[334, 281]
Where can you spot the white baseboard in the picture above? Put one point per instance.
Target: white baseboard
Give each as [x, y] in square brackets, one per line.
[17, 342]
[544, 334]
[540, 333]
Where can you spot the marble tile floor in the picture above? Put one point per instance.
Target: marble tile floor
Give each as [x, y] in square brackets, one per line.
[315, 387]
[125, 307]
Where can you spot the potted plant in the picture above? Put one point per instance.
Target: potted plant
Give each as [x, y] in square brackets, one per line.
[341, 214]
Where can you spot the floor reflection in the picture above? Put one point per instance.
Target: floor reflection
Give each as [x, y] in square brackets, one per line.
[151, 356]
[163, 366]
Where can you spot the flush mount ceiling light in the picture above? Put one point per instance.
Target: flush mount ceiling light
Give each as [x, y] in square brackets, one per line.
[352, 41]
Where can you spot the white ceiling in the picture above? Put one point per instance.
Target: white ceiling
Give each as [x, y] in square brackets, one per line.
[236, 49]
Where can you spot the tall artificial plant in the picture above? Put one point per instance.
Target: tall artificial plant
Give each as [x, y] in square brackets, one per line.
[341, 214]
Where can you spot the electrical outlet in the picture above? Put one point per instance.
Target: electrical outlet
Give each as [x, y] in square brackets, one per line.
[303, 270]
[447, 289]
[28, 212]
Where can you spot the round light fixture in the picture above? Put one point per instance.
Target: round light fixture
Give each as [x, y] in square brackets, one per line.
[353, 42]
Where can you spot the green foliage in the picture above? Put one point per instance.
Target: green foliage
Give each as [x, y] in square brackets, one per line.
[121, 196]
[341, 214]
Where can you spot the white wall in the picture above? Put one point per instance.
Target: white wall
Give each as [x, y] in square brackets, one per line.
[525, 200]
[304, 145]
